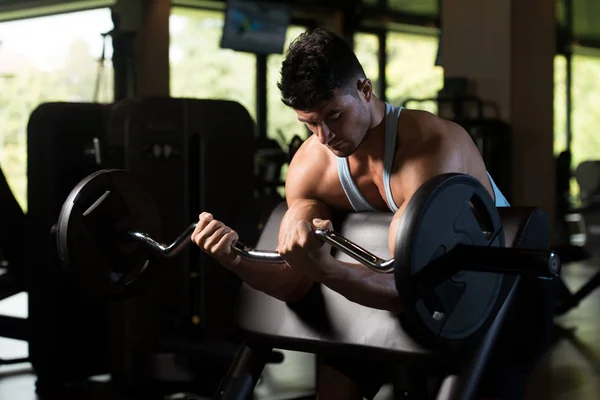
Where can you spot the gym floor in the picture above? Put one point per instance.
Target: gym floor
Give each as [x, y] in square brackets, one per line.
[570, 370]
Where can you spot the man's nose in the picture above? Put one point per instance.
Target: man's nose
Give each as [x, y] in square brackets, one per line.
[325, 135]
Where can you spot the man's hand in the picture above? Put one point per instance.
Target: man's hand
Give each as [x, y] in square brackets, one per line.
[215, 238]
[304, 252]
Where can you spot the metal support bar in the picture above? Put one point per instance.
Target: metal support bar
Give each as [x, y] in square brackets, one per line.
[261, 96]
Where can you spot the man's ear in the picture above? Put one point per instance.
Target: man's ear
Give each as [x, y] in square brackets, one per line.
[365, 87]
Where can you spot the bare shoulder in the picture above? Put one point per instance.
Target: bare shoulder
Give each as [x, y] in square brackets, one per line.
[308, 170]
[423, 134]
[443, 146]
[432, 127]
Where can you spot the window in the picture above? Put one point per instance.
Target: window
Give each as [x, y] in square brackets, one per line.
[200, 68]
[366, 47]
[586, 116]
[560, 108]
[423, 7]
[54, 58]
[411, 71]
[560, 130]
[282, 123]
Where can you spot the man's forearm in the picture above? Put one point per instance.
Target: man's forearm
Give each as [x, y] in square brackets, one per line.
[276, 280]
[363, 286]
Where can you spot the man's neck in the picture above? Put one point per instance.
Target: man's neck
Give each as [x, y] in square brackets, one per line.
[372, 146]
[377, 112]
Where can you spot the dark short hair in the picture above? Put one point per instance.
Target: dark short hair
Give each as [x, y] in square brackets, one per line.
[317, 63]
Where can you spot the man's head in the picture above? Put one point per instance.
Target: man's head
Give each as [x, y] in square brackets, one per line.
[323, 81]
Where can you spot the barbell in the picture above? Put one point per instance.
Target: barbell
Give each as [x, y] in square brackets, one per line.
[449, 263]
[268, 256]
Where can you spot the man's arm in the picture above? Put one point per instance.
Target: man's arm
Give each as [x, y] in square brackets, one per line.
[361, 284]
[365, 286]
[279, 280]
[276, 280]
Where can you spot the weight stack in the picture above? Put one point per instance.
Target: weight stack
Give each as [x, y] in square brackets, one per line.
[193, 155]
[68, 329]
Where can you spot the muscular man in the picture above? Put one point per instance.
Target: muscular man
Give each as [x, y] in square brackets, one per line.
[364, 155]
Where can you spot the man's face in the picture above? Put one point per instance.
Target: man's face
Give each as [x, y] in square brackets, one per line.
[340, 123]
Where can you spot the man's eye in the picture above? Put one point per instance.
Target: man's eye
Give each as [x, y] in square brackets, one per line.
[335, 117]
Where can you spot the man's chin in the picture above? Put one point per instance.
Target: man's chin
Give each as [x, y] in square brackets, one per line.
[342, 152]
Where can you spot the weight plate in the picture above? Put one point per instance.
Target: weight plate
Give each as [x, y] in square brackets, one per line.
[92, 243]
[447, 210]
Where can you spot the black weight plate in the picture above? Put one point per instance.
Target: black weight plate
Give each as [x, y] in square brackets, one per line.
[447, 210]
[91, 235]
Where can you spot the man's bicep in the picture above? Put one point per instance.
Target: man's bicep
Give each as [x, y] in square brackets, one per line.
[411, 183]
[393, 230]
[440, 159]
[415, 175]
[418, 174]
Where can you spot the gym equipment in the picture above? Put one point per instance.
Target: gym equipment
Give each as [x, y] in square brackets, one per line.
[492, 136]
[294, 146]
[172, 145]
[101, 205]
[68, 334]
[588, 178]
[449, 261]
[570, 229]
[326, 323]
[270, 159]
[584, 221]
[12, 265]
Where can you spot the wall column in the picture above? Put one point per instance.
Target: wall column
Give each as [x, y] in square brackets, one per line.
[506, 49]
[144, 65]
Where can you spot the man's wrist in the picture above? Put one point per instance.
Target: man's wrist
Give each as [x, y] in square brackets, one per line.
[231, 264]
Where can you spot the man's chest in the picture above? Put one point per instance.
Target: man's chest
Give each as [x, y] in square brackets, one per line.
[370, 183]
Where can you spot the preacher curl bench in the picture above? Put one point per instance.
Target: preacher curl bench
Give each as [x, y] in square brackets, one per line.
[326, 323]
